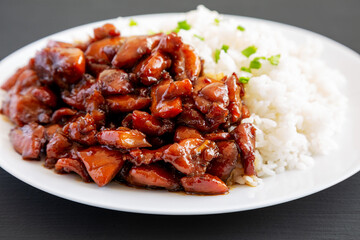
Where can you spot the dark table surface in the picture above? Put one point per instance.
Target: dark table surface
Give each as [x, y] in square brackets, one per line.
[28, 213]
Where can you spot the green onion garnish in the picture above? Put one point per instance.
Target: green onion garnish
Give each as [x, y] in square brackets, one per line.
[217, 55]
[199, 37]
[240, 28]
[182, 25]
[255, 63]
[247, 52]
[225, 48]
[244, 79]
[274, 60]
[132, 23]
[245, 69]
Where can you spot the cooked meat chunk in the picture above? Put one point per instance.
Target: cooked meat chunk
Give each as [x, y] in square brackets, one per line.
[150, 125]
[62, 66]
[166, 97]
[152, 175]
[72, 165]
[183, 133]
[10, 82]
[146, 156]
[101, 163]
[127, 103]
[123, 138]
[58, 146]
[244, 135]
[235, 104]
[191, 156]
[218, 136]
[108, 30]
[85, 95]
[134, 48]
[223, 165]
[62, 113]
[96, 51]
[204, 184]
[114, 81]
[186, 64]
[28, 140]
[82, 130]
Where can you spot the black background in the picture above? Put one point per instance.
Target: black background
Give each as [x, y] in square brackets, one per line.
[28, 213]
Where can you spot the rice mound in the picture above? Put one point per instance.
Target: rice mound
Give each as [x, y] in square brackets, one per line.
[296, 106]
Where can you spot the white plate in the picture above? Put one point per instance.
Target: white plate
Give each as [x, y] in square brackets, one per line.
[288, 186]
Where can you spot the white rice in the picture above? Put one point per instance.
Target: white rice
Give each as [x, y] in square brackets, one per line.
[296, 106]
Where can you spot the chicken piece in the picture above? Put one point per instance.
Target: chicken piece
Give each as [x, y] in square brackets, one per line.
[218, 136]
[149, 70]
[191, 156]
[27, 79]
[146, 156]
[11, 81]
[101, 163]
[211, 98]
[97, 51]
[235, 104]
[183, 133]
[193, 118]
[166, 101]
[114, 81]
[133, 49]
[85, 95]
[223, 165]
[82, 130]
[107, 30]
[62, 66]
[127, 103]
[23, 109]
[50, 130]
[72, 165]
[123, 138]
[44, 95]
[245, 113]
[153, 175]
[150, 125]
[28, 140]
[58, 146]
[204, 184]
[170, 43]
[127, 121]
[27, 101]
[186, 64]
[62, 113]
[244, 135]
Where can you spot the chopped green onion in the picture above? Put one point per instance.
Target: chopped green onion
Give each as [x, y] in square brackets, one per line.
[216, 21]
[247, 52]
[182, 25]
[217, 55]
[245, 69]
[132, 23]
[225, 48]
[199, 37]
[274, 60]
[240, 28]
[151, 32]
[255, 63]
[244, 79]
